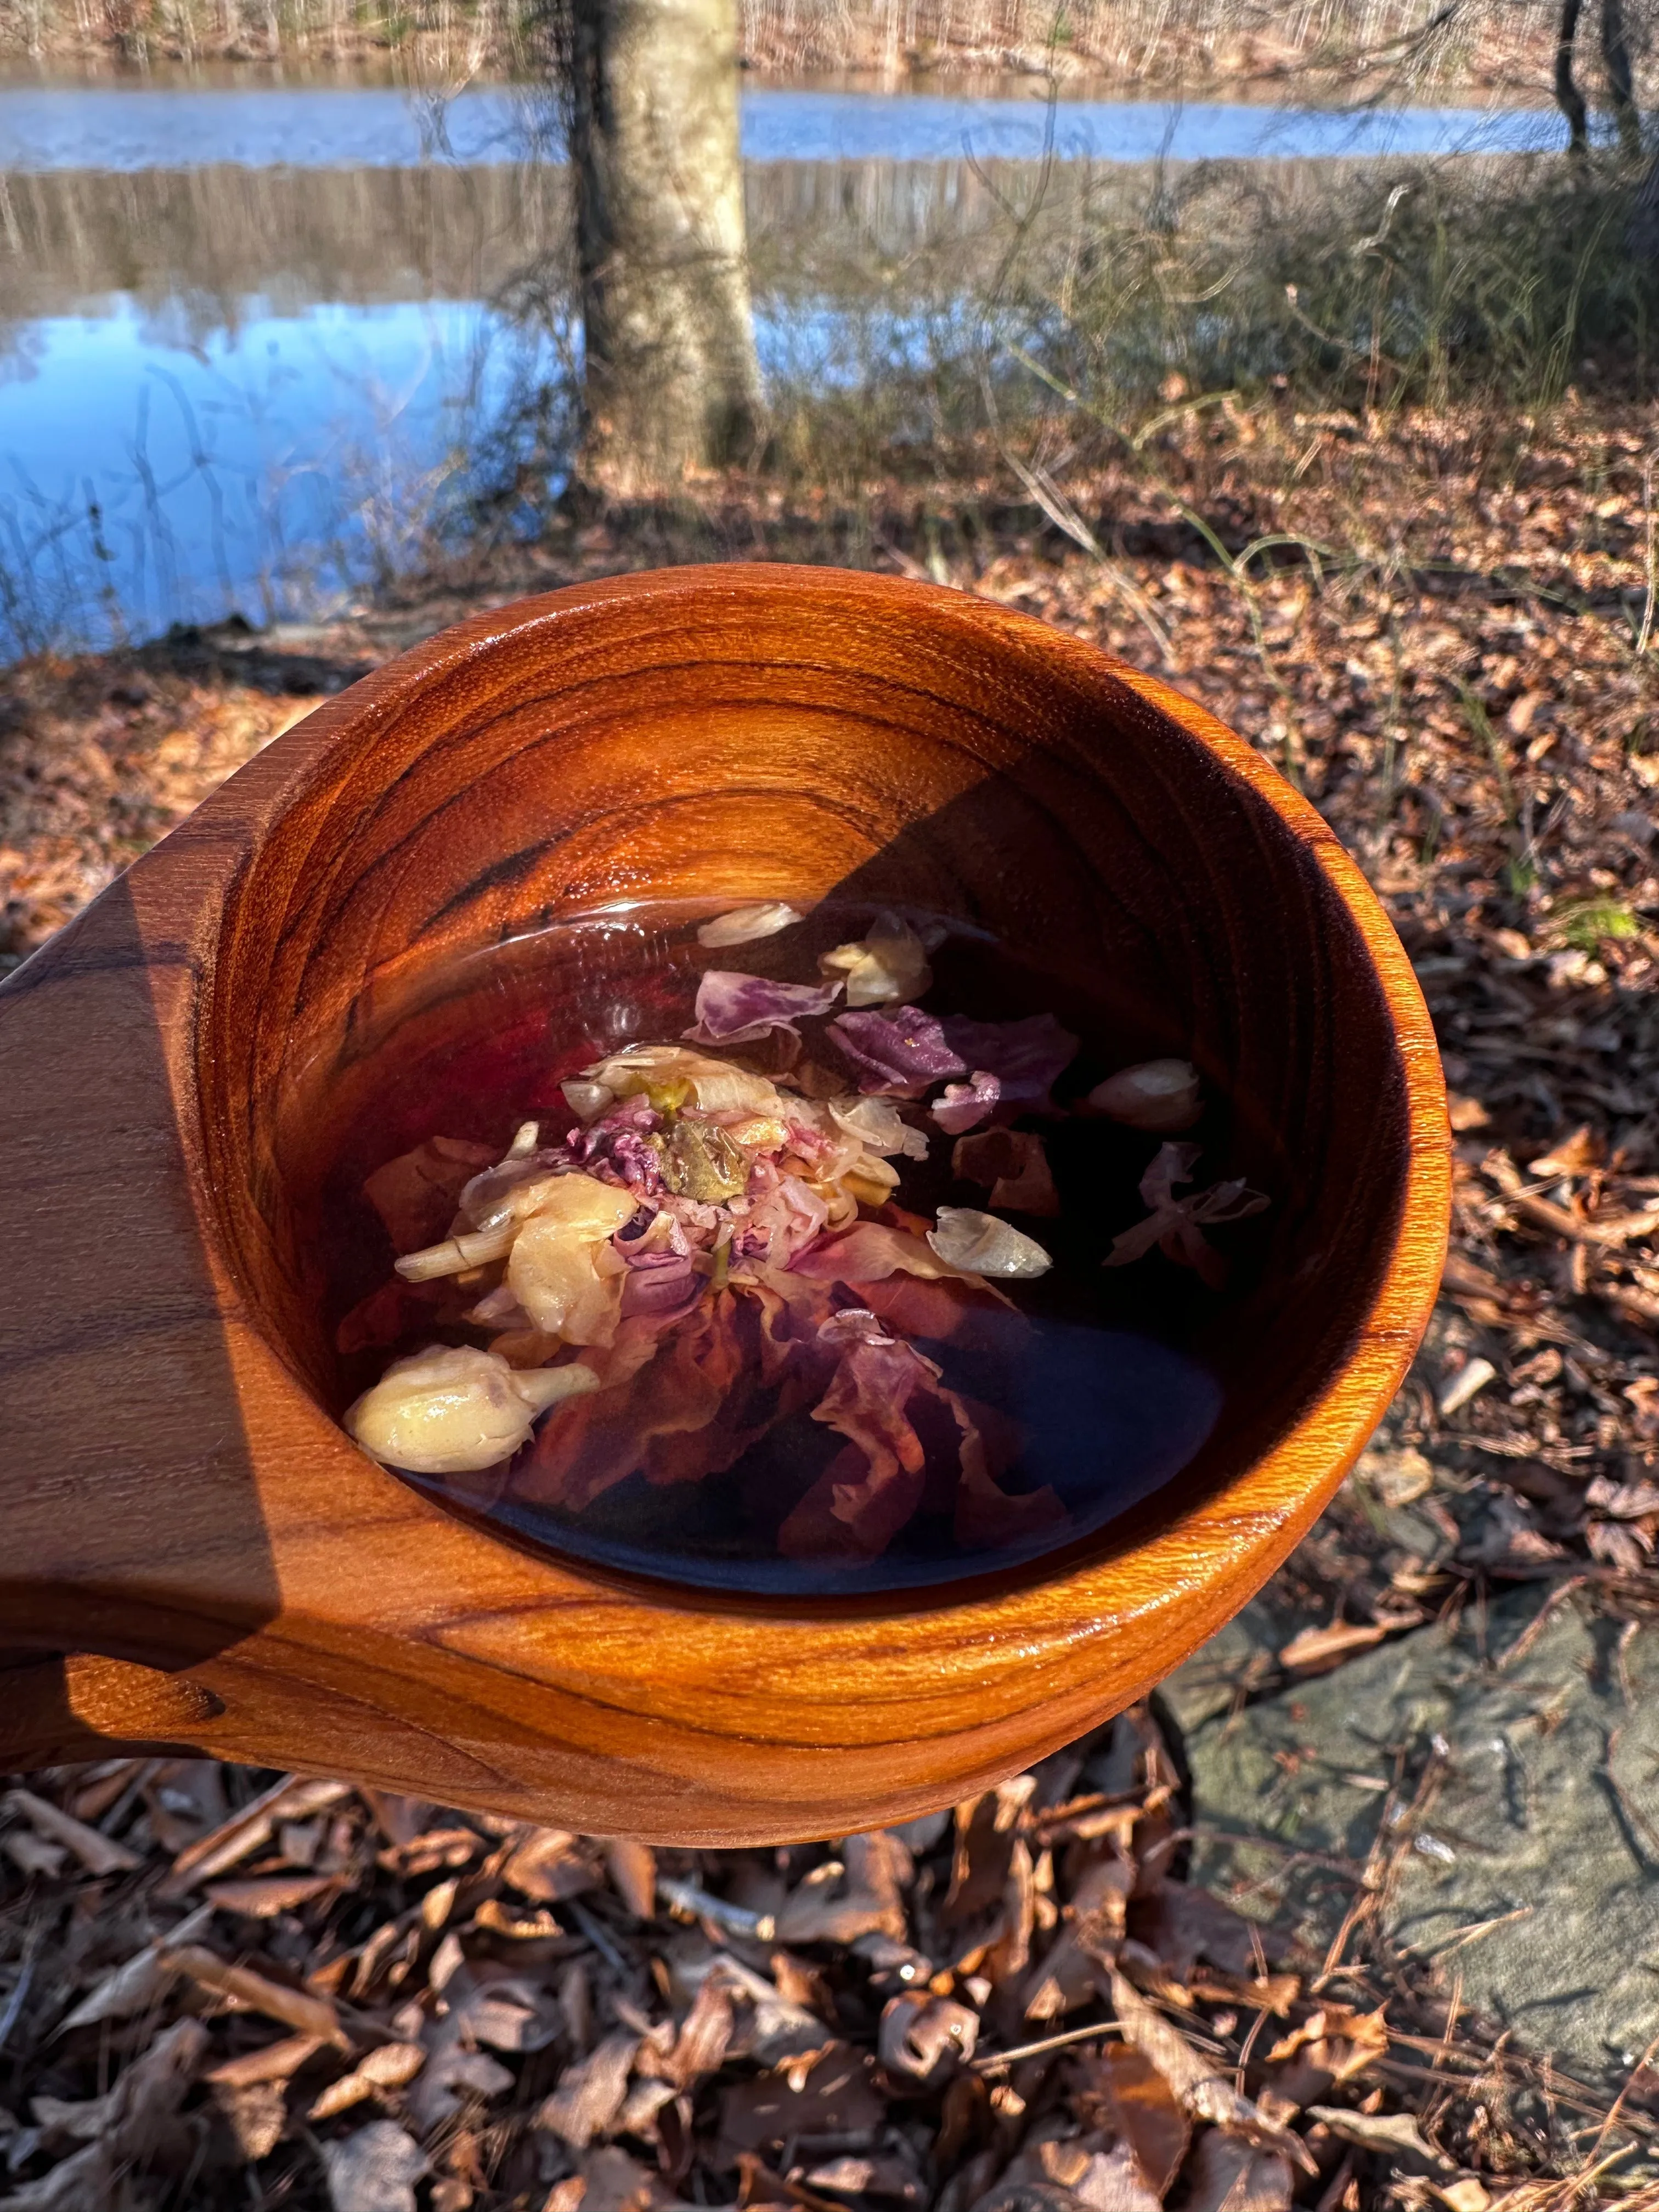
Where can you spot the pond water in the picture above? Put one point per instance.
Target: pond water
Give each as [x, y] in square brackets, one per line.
[102, 127]
[247, 331]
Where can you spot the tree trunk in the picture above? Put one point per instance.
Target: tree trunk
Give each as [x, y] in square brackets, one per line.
[1568, 97]
[671, 382]
[1615, 59]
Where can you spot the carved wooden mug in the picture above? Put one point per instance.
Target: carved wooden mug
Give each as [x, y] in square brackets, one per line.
[196, 1553]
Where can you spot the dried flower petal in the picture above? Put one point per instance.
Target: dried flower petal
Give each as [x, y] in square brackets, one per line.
[714, 1086]
[1173, 1223]
[878, 1125]
[853, 1325]
[1157, 1094]
[586, 1101]
[660, 1283]
[1013, 1166]
[963, 1106]
[746, 923]
[489, 1201]
[553, 1269]
[901, 1052]
[981, 1244]
[735, 1009]
[453, 1409]
[890, 965]
[1025, 1056]
[869, 1254]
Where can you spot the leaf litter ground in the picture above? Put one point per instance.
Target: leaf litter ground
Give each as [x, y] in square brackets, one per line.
[223, 1987]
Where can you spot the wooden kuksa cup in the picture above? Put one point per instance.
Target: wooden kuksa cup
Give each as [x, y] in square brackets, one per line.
[193, 1552]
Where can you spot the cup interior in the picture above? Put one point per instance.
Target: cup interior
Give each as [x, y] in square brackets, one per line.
[733, 736]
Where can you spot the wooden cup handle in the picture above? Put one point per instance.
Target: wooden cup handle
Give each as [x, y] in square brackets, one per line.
[111, 1322]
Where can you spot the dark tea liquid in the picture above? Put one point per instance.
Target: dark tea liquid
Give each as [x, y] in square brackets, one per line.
[1096, 1373]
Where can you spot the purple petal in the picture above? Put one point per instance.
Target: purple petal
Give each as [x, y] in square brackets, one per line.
[659, 1284]
[965, 1105]
[733, 1009]
[901, 1051]
[1025, 1056]
[616, 1142]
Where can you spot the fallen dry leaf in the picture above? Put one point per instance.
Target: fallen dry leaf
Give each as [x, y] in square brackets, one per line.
[548, 1865]
[923, 2037]
[135, 1985]
[591, 2095]
[310, 2016]
[1338, 2040]
[890, 2178]
[374, 2170]
[1204, 2094]
[256, 2114]
[1395, 2133]
[95, 1851]
[1228, 2176]
[856, 1895]
[289, 1799]
[388, 2066]
[632, 1870]
[1122, 2091]
[276, 2062]
[832, 2095]
[266, 1895]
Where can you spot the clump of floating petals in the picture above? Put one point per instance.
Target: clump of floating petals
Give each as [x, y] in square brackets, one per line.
[453, 1410]
[981, 1244]
[888, 967]
[746, 923]
[1157, 1094]
[1176, 1224]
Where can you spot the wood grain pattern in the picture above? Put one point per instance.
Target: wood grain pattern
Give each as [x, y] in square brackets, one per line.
[176, 1495]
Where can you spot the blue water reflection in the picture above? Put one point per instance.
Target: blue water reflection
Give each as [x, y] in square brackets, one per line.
[99, 127]
[272, 469]
[275, 467]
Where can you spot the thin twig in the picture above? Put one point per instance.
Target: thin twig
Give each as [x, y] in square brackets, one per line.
[15, 2002]
[1645, 635]
[736, 1919]
[1000, 2059]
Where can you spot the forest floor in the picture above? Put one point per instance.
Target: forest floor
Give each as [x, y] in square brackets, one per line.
[230, 1988]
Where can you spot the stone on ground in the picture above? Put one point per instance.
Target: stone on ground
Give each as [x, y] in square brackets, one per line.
[1502, 1773]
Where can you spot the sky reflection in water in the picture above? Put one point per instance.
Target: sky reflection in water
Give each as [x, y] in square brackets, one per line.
[88, 127]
